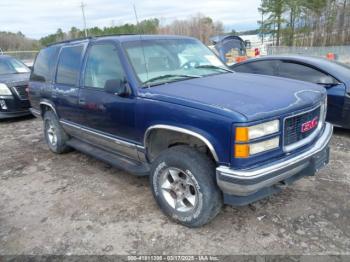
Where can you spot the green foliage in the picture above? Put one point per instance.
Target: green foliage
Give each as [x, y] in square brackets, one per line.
[16, 42]
[275, 10]
[289, 21]
[149, 26]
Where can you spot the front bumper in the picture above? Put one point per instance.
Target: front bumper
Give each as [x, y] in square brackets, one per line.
[5, 115]
[14, 107]
[245, 183]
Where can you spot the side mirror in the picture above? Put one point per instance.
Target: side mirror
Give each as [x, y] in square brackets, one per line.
[247, 44]
[116, 87]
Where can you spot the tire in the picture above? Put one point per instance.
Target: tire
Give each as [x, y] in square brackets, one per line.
[56, 138]
[184, 185]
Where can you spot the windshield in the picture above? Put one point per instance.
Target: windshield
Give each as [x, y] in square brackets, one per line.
[168, 60]
[12, 66]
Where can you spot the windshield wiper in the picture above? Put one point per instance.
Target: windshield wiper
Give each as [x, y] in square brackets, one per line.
[169, 76]
[214, 67]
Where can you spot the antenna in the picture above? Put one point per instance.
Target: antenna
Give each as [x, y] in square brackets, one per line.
[82, 5]
[143, 49]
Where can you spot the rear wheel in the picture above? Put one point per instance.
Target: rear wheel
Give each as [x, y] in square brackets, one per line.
[55, 136]
[183, 184]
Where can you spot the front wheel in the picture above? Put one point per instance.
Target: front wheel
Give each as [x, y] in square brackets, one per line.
[183, 184]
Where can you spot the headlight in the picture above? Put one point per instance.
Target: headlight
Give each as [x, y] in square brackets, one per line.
[244, 134]
[247, 150]
[4, 90]
[244, 148]
[267, 145]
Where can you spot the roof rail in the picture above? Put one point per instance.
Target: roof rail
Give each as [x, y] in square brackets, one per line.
[69, 40]
[85, 38]
[112, 35]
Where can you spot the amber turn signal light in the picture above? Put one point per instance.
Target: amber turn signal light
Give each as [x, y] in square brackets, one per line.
[241, 151]
[242, 134]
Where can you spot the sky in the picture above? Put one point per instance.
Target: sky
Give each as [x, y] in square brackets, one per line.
[38, 18]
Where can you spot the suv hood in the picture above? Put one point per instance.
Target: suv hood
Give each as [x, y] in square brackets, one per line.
[253, 96]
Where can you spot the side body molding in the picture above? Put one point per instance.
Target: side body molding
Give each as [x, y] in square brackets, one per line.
[184, 131]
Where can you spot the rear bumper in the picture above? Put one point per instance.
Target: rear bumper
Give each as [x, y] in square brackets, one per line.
[245, 183]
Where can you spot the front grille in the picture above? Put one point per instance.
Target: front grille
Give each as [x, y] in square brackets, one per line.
[21, 92]
[293, 126]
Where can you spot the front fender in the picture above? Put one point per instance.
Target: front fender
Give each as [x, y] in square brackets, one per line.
[46, 102]
[198, 134]
[213, 129]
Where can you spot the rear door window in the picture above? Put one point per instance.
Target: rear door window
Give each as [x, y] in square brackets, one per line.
[44, 64]
[258, 67]
[69, 64]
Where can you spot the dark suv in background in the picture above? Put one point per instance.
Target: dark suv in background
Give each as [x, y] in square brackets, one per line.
[332, 75]
[14, 77]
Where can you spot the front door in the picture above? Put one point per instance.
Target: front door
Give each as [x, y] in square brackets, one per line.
[105, 114]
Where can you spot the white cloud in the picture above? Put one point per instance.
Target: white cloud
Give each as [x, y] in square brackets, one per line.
[37, 18]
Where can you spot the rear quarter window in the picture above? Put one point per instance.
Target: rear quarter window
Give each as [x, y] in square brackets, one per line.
[44, 64]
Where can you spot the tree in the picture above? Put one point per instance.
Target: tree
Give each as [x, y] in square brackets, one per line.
[16, 42]
[273, 24]
[199, 26]
[149, 26]
[74, 32]
[306, 22]
[294, 8]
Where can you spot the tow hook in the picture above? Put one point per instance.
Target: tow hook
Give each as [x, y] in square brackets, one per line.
[281, 185]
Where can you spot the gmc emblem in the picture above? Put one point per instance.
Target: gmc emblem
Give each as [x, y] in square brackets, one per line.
[309, 125]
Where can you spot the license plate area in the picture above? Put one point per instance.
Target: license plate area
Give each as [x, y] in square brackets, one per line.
[321, 159]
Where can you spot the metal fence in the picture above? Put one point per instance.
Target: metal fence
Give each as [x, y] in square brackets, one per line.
[342, 53]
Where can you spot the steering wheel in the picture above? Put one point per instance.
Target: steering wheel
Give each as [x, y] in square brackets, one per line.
[190, 64]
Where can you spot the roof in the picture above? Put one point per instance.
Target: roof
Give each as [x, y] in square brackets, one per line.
[124, 38]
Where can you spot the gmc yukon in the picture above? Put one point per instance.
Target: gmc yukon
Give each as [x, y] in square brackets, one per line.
[165, 106]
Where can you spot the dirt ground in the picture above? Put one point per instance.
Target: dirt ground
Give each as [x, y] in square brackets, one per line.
[74, 204]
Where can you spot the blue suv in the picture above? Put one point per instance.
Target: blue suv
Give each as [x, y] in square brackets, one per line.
[165, 106]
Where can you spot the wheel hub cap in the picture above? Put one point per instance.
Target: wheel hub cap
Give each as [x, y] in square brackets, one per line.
[178, 189]
[51, 133]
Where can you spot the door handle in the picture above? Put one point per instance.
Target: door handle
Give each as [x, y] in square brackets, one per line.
[82, 101]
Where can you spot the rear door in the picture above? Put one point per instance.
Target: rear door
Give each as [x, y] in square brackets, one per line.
[66, 91]
[42, 76]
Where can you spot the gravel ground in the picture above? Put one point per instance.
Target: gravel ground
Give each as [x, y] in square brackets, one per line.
[74, 204]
